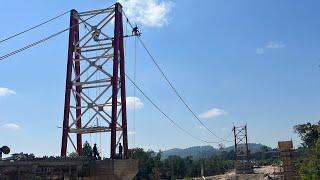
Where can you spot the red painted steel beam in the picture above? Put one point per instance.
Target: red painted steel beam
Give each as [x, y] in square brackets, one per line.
[123, 90]
[115, 81]
[78, 87]
[247, 148]
[235, 143]
[71, 49]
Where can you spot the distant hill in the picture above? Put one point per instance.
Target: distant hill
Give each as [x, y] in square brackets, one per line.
[195, 151]
[204, 151]
[253, 147]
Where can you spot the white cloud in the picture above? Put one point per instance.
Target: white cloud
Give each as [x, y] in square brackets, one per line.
[260, 51]
[212, 113]
[5, 92]
[275, 45]
[201, 127]
[12, 126]
[271, 45]
[134, 102]
[147, 12]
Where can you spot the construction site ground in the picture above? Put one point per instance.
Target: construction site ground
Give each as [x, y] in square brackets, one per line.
[260, 173]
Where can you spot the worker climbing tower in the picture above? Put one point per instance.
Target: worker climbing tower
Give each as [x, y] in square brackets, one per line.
[95, 96]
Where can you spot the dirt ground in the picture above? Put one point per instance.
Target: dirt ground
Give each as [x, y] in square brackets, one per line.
[262, 173]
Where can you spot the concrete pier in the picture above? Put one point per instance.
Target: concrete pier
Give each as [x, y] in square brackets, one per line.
[118, 169]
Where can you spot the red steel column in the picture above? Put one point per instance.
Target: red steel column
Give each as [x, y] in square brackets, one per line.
[235, 143]
[65, 129]
[115, 82]
[123, 90]
[78, 87]
[247, 148]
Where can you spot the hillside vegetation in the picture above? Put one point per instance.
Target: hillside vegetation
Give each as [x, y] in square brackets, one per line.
[198, 152]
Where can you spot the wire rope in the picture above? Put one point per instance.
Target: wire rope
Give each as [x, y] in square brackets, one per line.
[34, 27]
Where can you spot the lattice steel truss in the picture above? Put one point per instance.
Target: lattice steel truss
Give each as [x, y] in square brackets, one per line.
[241, 143]
[95, 98]
[241, 150]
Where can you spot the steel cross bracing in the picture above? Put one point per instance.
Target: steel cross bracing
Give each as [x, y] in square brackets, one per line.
[241, 143]
[95, 99]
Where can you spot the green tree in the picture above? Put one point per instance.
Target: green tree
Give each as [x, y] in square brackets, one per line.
[73, 155]
[310, 167]
[310, 163]
[149, 163]
[175, 167]
[87, 150]
[216, 165]
[309, 133]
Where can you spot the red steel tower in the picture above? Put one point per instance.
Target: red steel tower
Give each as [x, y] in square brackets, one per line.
[95, 97]
[241, 150]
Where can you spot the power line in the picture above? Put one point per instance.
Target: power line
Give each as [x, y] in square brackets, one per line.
[167, 116]
[171, 85]
[22, 32]
[43, 40]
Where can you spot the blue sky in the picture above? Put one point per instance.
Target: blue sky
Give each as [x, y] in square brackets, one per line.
[253, 62]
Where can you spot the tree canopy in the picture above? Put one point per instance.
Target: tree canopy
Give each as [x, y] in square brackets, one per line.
[310, 164]
[87, 149]
[309, 133]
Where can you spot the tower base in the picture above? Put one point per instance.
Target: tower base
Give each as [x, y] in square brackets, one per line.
[69, 169]
[243, 167]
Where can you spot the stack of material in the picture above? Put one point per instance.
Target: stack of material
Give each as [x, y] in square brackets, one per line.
[287, 157]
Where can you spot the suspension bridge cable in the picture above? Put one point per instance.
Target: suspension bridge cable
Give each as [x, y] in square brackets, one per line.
[171, 85]
[167, 116]
[175, 90]
[44, 39]
[62, 31]
[31, 45]
[228, 136]
[134, 88]
[34, 27]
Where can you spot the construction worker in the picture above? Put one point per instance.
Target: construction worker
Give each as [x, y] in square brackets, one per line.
[135, 31]
[96, 33]
[120, 151]
[95, 152]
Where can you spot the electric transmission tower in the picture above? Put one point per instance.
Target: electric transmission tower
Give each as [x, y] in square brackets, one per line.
[95, 96]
